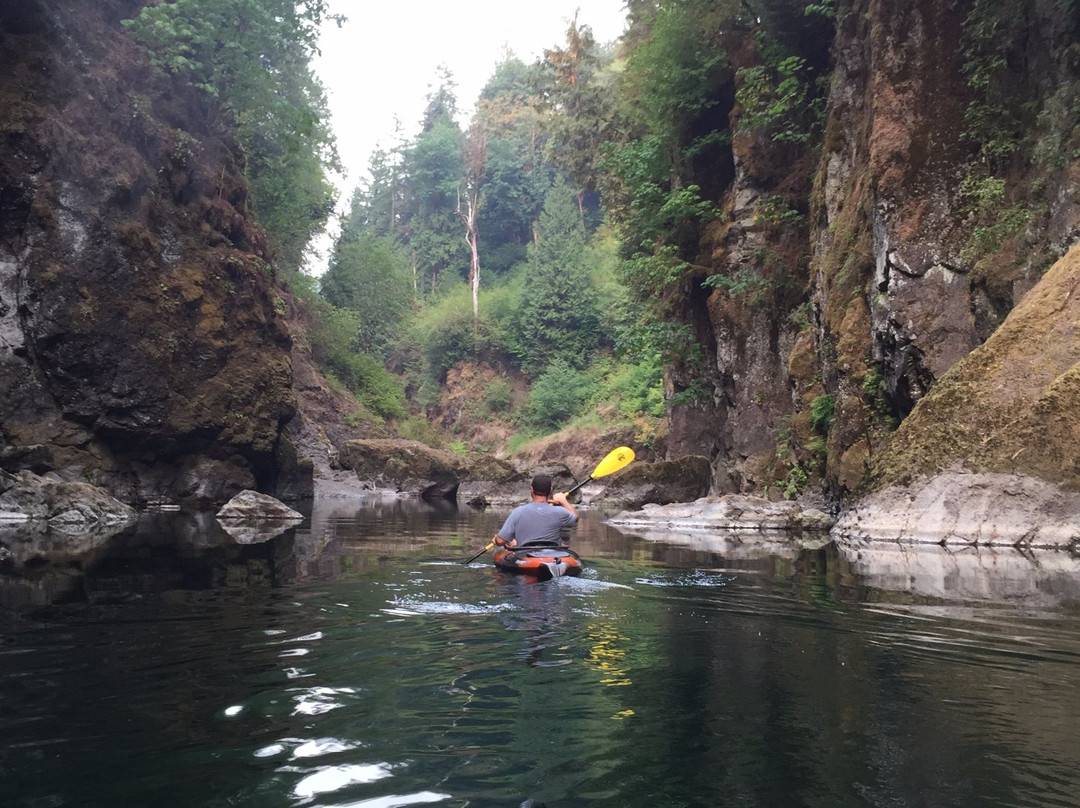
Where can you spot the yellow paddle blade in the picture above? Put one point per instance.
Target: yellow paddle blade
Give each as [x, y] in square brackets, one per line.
[616, 459]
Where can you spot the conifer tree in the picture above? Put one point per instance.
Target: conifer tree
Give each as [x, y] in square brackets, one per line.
[559, 316]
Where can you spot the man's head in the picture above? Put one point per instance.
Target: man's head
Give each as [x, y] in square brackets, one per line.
[541, 485]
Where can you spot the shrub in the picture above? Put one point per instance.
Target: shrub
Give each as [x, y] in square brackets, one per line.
[821, 413]
[498, 396]
[558, 394]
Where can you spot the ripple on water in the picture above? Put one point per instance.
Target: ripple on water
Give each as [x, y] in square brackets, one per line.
[319, 700]
[410, 607]
[688, 578]
[306, 748]
[397, 800]
[335, 778]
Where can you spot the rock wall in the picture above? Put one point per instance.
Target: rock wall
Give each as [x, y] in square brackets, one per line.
[888, 267]
[141, 341]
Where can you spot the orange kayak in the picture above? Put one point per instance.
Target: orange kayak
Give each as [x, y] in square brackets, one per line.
[541, 562]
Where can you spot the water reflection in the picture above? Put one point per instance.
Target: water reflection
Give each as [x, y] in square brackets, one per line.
[193, 551]
[355, 661]
[1041, 579]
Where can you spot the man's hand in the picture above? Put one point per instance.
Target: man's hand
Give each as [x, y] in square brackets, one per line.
[501, 542]
[559, 499]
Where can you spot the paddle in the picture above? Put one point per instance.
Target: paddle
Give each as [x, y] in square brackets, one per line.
[615, 460]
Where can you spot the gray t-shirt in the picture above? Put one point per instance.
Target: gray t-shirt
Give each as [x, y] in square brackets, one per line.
[536, 522]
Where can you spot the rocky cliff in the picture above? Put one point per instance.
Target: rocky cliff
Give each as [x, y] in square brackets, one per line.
[142, 345]
[858, 269]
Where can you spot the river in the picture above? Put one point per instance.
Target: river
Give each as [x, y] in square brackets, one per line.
[355, 661]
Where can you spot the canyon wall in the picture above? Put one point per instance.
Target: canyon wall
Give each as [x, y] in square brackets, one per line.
[142, 345]
[889, 248]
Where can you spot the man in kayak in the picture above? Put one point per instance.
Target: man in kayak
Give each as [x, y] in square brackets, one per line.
[540, 521]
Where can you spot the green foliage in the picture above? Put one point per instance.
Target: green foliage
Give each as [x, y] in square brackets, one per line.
[744, 281]
[676, 74]
[574, 87]
[983, 194]
[251, 60]
[778, 100]
[498, 396]
[636, 388]
[776, 209]
[447, 333]
[558, 394]
[993, 40]
[333, 339]
[420, 430]
[795, 481]
[821, 412]
[558, 318]
[367, 276]
[988, 239]
[435, 169]
[824, 8]
[998, 222]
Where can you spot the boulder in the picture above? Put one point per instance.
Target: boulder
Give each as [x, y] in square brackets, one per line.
[411, 467]
[253, 506]
[685, 479]
[25, 496]
[958, 508]
[514, 489]
[726, 513]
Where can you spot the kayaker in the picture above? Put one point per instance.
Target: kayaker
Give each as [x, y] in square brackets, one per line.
[540, 521]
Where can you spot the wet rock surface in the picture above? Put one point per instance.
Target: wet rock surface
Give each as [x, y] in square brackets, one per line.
[957, 508]
[413, 468]
[251, 505]
[27, 497]
[731, 512]
[668, 481]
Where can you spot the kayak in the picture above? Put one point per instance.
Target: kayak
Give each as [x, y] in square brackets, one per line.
[541, 562]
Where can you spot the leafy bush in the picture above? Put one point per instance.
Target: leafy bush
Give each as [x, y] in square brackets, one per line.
[821, 413]
[636, 387]
[498, 396]
[420, 430]
[558, 394]
[333, 338]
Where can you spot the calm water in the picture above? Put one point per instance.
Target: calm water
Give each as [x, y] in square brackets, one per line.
[356, 662]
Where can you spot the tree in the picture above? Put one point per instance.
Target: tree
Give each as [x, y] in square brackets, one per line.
[558, 318]
[475, 157]
[433, 168]
[369, 278]
[515, 176]
[250, 59]
[577, 94]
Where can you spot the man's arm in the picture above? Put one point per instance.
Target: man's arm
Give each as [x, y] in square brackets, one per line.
[560, 499]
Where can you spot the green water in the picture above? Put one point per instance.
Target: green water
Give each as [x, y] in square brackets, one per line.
[356, 662]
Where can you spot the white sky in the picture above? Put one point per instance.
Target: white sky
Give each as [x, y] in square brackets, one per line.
[382, 63]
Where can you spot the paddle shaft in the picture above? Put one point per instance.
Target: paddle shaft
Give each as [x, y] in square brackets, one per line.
[470, 560]
[586, 481]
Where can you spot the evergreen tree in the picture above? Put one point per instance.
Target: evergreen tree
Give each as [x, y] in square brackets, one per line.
[434, 170]
[558, 318]
[367, 277]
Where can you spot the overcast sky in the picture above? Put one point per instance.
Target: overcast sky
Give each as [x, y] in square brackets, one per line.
[382, 62]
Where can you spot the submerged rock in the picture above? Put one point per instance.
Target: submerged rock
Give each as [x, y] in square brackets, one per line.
[253, 506]
[957, 508]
